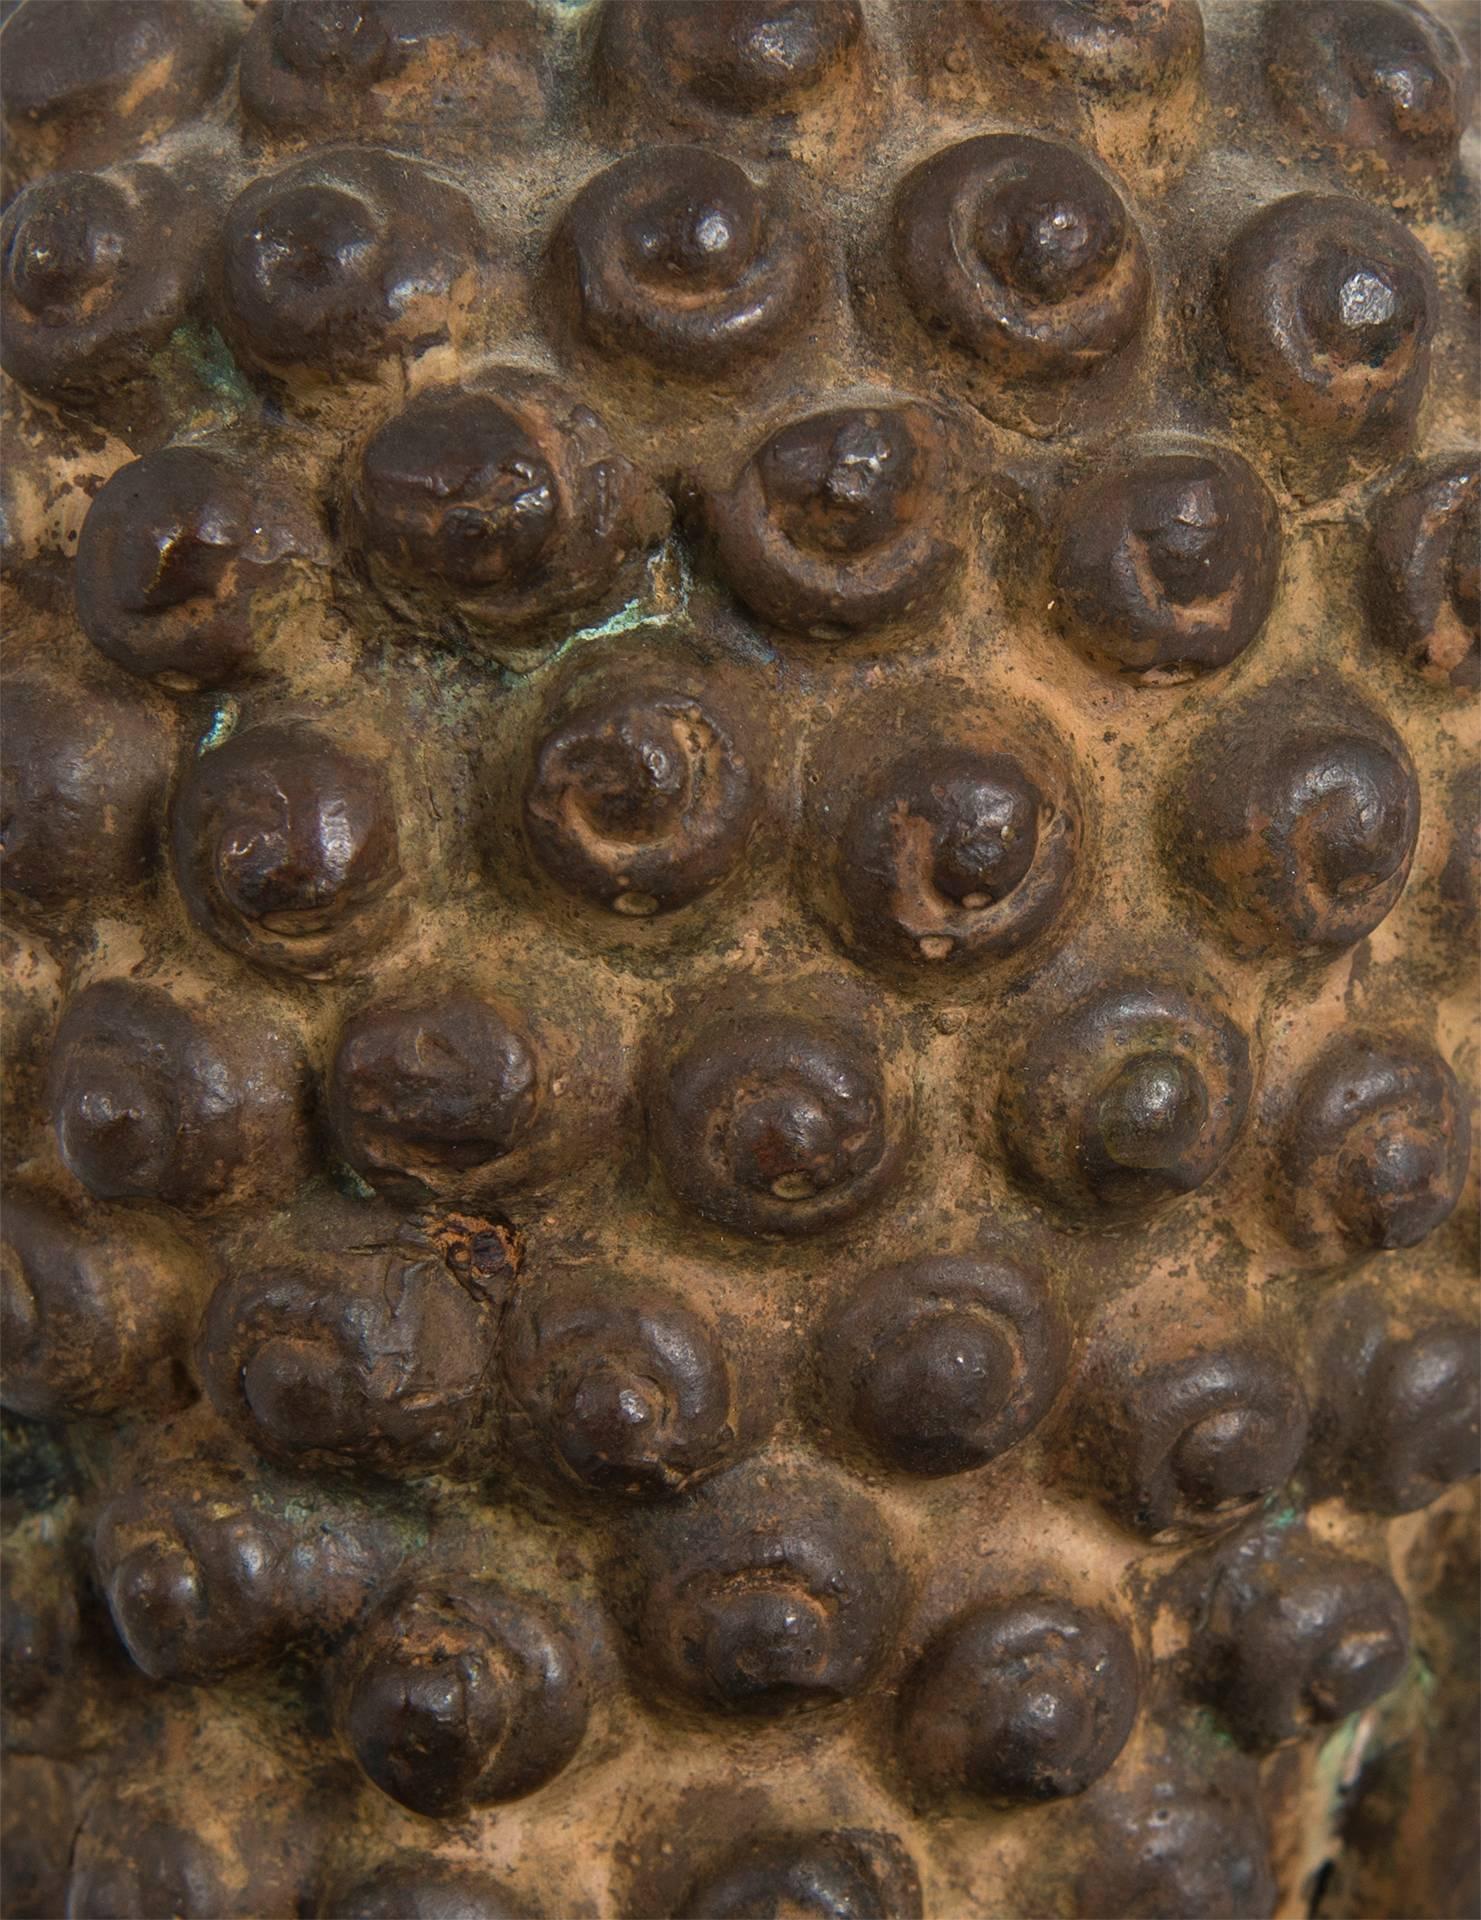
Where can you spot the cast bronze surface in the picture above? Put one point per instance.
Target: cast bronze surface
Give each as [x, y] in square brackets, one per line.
[740, 845]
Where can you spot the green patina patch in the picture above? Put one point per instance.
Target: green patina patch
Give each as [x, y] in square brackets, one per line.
[350, 1183]
[211, 361]
[664, 601]
[1284, 1517]
[1208, 1727]
[223, 725]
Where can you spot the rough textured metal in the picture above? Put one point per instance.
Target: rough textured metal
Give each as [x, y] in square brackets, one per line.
[740, 843]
